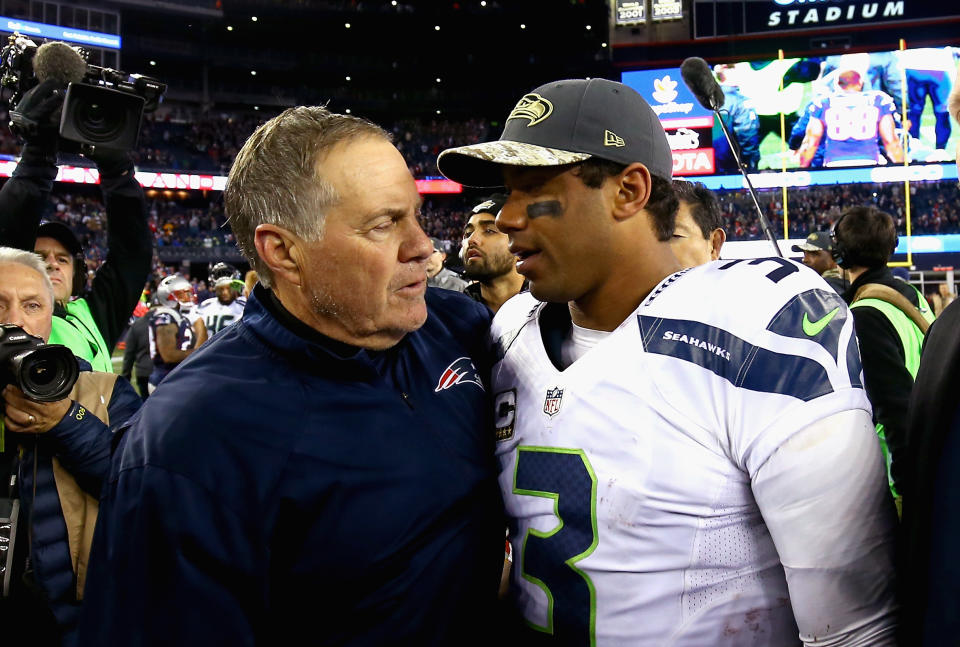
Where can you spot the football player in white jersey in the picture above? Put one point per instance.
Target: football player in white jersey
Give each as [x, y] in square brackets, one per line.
[687, 457]
[222, 310]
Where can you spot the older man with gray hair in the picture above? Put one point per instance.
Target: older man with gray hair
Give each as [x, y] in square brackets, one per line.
[348, 493]
[62, 456]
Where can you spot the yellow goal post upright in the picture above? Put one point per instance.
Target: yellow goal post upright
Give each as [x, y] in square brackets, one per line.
[906, 163]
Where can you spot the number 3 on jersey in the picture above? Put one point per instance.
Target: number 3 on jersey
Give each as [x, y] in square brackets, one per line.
[548, 559]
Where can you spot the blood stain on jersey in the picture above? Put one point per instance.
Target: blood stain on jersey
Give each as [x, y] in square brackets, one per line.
[460, 371]
[551, 404]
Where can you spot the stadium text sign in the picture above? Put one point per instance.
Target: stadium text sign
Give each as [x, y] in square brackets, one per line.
[55, 32]
[718, 18]
[698, 161]
[806, 16]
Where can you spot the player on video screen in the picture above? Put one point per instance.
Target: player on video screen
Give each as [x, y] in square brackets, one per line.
[929, 71]
[850, 121]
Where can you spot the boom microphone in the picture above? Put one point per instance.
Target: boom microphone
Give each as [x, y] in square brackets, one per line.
[60, 63]
[699, 78]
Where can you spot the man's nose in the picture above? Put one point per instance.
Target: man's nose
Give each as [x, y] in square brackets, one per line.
[511, 217]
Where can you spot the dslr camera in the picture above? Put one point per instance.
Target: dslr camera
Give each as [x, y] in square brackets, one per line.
[44, 372]
[102, 107]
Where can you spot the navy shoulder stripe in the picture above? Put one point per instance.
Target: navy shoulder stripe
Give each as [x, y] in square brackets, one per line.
[817, 315]
[735, 360]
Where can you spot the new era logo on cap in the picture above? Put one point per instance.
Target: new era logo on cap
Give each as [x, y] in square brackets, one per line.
[565, 122]
[612, 139]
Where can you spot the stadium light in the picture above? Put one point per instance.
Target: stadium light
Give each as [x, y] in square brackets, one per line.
[347, 25]
[229, 27]
[589, 27]
[154, 63]
[347, 78]
[253, 18]
[522, 26]
[253, 72]
[436, 28]
[438, 79]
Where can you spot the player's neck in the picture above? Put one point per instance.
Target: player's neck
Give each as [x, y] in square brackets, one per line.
[605, 307]
[497, 290]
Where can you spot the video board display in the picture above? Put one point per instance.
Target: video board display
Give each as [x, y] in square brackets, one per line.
[850, 110]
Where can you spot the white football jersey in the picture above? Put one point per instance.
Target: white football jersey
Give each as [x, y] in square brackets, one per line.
[627, 476]
[217, 316]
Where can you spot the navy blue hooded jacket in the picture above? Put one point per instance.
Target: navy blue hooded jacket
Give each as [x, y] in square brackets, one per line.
[283, 488]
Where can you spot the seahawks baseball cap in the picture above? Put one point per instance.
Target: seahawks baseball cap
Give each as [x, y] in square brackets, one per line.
[60, 233]
[491, 204]
[565, 122]
[818, 241]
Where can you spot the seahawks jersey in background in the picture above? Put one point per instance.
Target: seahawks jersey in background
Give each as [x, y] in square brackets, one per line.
[627, 476]
[218, 316]
[851, 126]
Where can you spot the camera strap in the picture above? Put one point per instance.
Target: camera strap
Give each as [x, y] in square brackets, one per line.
[9, 518]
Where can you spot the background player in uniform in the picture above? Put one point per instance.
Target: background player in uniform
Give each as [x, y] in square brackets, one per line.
[849, 121]
[172, 336]
[226, 307]
[687, 458]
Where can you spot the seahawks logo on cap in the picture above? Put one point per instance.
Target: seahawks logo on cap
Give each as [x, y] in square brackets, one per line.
[613, 139]
[533, 107]
[483, 207]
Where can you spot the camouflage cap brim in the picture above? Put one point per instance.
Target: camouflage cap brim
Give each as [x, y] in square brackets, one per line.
[479, 165]
[807, 247]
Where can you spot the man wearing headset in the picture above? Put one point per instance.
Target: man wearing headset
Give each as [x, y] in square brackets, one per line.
[890, 317]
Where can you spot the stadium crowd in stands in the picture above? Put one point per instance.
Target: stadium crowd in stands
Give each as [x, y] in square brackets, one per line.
[934, 208]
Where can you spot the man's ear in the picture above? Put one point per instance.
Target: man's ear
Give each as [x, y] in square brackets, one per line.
[281, 251]
[633, 191]
[717, 238]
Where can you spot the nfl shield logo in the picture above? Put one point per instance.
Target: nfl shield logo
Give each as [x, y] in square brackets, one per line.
[551, 405]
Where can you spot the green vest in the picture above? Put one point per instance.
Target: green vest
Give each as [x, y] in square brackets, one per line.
[78, 332]
[911, 338]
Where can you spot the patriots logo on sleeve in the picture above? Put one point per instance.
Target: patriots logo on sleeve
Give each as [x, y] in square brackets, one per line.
[461, 371]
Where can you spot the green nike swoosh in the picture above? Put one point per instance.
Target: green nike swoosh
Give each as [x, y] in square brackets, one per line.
[813, 328]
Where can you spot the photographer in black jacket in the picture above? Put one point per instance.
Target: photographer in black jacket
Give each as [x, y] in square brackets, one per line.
[90, 321]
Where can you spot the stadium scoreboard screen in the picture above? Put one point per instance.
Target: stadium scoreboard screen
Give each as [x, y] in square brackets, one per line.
[714, 18]
[857, 110]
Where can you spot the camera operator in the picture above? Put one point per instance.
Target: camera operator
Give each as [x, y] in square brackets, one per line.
[89, 322]
[64, 454]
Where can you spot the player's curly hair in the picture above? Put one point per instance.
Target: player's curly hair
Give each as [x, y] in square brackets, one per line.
[662, 204]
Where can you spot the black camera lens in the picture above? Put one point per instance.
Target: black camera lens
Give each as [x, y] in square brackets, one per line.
[46, 374]
[99, 121]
